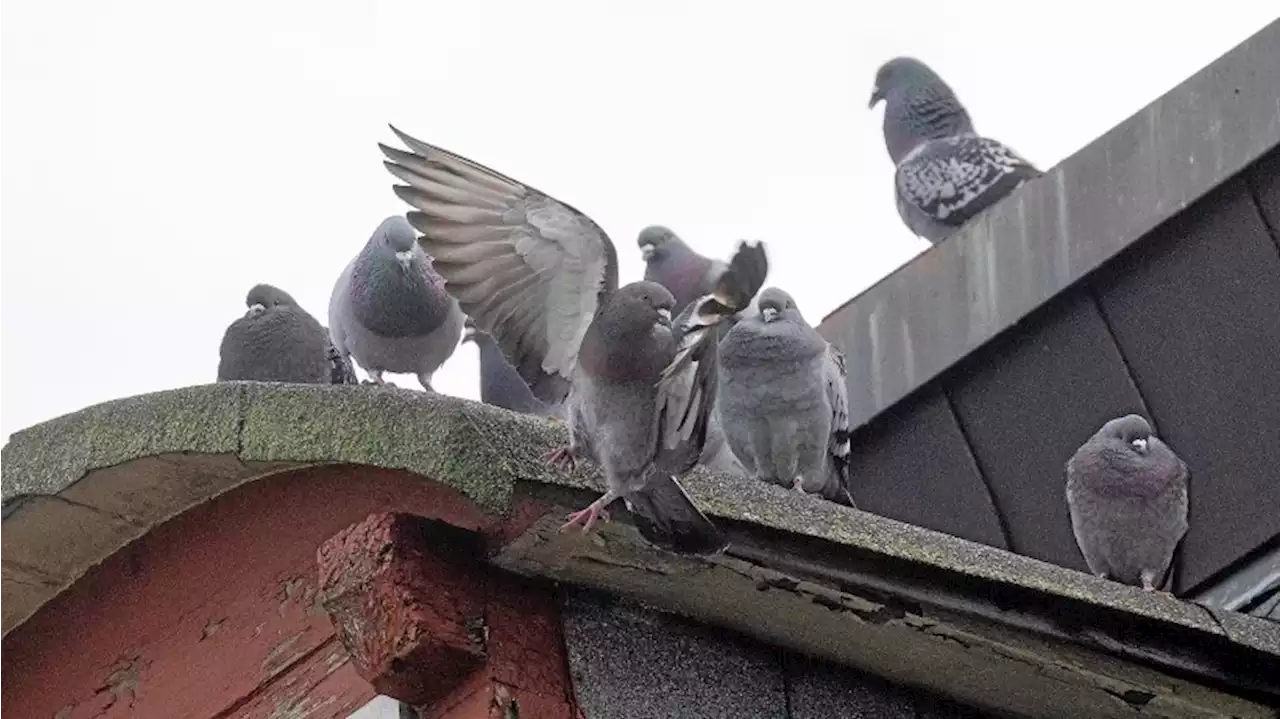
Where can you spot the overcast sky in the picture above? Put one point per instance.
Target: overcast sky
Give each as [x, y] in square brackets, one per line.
[159, 158]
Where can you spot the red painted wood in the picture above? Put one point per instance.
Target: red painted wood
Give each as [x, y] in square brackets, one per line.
[428, 623]
[526, 663]
[215, 612]
[409, 613]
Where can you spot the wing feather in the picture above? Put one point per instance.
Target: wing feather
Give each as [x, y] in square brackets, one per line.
[686, 391]
[835, 375]
[951, 180]
[530, 270]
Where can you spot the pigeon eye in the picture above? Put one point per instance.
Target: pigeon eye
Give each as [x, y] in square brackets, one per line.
[1139, 444]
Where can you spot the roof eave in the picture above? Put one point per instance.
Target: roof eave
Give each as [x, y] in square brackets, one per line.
[1053, 231]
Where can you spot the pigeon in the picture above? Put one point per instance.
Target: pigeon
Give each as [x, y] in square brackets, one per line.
[275, 341]
[946, 173]
[677, 266]
[341, 371]
[500, 384]
[672, 263]
[783, 401]
[390, 310]
[1127, 494]
[717, 456]
[541, 277]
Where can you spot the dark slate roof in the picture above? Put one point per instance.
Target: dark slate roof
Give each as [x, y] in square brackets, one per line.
[630, 662]
[921, 609]
[1139, 275]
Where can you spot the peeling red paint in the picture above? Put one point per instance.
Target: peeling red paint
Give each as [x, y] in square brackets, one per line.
[404, 609]
[429, 624]
[215, 613]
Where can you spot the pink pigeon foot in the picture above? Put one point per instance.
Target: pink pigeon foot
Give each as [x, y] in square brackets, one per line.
[595, 512]
[561, 458]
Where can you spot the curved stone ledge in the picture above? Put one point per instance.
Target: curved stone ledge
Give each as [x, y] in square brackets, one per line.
[78, 488]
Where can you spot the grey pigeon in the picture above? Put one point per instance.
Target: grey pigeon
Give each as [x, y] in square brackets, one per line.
[717, 456]
[672, 263]
[500, 384]
[390, 310]
[783, 402]
[542, 279]
[1127, 493]
[677, 266]
[275, 341]
[946, 173]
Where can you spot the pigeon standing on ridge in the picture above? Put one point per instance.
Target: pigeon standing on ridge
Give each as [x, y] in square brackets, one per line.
[542, 279]
[275, 341]
[500, 384]
[390, 310]
[1127, 494]
[946, 173]
[783, 402]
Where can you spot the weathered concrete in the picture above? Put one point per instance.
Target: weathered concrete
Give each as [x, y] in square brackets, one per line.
[1053, 231]
[915, 606]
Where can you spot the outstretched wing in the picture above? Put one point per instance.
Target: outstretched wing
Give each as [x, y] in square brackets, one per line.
[686, 392]
[529, 269]
[949, 181]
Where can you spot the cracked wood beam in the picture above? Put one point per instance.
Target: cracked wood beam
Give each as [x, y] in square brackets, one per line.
[428, 623]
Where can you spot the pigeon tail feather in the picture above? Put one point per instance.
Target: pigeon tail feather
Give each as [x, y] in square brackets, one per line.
[666, 516]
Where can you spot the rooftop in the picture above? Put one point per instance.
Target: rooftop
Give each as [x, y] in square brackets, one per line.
[913, 605]
[1137, 276]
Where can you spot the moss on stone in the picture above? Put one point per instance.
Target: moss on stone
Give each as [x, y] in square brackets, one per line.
[483, 452]
[47, 457]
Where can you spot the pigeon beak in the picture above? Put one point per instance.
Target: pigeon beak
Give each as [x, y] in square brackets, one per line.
[404, 257]
[876, 96]
[256, 309]
[646, 251]
[769, 314]
[665, 315]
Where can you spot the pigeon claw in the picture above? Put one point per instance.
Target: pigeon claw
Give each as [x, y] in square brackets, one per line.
[587, 518]
[561, 458]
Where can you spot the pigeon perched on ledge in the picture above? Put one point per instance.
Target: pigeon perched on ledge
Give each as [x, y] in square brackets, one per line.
[946, 173]
[1127, 494]
[389, 308]
[783, 402]
[275, 341]
[542, 279]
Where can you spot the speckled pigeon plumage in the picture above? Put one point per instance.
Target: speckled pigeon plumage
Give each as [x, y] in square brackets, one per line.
[341, 370]
[783, 402]
[1127, 494]
[542, 279]
[275, 341]
[946, 173]
[389, 309]
[500, 384]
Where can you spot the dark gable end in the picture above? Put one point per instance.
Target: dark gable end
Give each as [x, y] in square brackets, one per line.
[1142, 274]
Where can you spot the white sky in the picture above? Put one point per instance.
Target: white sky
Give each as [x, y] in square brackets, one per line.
[159, 157]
